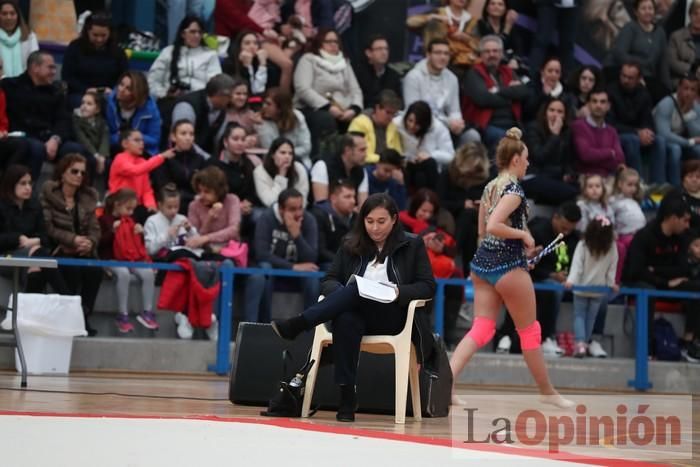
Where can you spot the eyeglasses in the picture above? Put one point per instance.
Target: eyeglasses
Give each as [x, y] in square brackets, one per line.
[194, 31]
[77, 172]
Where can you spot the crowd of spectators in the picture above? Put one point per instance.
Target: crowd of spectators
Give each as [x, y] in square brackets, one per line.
[277, 145]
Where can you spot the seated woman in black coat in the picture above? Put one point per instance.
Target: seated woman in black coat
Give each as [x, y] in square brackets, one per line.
[551, 178]
[377, 248]
[22, 229]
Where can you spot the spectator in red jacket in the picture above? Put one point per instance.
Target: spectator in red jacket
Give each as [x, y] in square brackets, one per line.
[13, 149]
[597, 147]
[131, 170]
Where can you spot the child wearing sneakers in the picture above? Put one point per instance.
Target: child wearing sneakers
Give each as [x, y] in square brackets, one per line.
[594, 264]
[119, 208]
[166, 234]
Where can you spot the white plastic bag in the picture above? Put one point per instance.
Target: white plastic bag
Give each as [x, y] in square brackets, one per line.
[48, 315]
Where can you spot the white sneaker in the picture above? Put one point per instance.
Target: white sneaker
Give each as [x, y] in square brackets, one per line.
[503, 345]
[213, 330]
[184, 328]
[596, 350]
[551, 349]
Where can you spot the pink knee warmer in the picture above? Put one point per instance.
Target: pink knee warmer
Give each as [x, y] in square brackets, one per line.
[482, 331]
[530, 336]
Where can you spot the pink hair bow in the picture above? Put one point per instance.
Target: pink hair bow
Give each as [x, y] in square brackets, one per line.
[604, 221]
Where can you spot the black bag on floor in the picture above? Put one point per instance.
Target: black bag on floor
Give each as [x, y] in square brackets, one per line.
[436, 382]
[290, 396]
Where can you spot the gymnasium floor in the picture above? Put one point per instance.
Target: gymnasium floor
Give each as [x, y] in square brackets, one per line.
[134, 419]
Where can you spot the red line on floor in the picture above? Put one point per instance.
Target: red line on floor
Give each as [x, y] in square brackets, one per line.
[309, 426]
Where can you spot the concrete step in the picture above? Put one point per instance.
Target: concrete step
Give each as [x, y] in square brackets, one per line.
[588, 373]
[173, 355]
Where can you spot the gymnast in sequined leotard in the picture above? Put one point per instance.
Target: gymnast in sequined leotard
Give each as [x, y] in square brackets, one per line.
[500, 272]
[496, 256]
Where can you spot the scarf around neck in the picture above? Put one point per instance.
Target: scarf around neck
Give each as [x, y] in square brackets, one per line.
[331, 63]
[11, 53]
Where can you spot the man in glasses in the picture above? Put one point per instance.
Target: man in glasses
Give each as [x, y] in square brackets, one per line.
[37, 107]
[373, 74]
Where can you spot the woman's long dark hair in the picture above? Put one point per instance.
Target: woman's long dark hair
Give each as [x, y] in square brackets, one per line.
[420, 197]
[180, 42]
[286, 120]
[269, 161]
[24, 30]
[573, 84]
[599, 237]
[233, 64]
[13, 174]
[359, 243]
[542, 114]
[103, 20]
[423, 115]
[502, 21]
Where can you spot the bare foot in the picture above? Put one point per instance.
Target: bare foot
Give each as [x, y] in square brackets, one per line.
[456, 400]
[557, 400]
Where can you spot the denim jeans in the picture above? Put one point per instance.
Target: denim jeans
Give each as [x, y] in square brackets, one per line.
[36, 155]
[178, 9]
[655, 152]
[585, 311]
[492, 135]
[258, 294]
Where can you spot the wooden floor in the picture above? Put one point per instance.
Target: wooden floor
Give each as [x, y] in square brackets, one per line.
[183, 395]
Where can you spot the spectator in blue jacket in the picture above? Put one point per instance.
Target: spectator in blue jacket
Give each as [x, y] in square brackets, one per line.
[387, 177]
[130, 106]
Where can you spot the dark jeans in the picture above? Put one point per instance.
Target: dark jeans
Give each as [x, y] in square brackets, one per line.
[36, 155]
[83, 281]
[422, 174]
[321, 125]
[13, 151]
[551, 20]
[467, 236]
[655, 153]
[353, 317]
[548, 190]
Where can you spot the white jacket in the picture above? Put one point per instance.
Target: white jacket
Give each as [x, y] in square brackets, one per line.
[269, 189]
[196, 67]
[315, 79]
[156, 235]
[437, 142]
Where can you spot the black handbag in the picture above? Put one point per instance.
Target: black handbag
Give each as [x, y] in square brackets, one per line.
[289, 398]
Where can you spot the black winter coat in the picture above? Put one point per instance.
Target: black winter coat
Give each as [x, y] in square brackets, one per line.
[27, 221]
[409, 268]
[39, 111]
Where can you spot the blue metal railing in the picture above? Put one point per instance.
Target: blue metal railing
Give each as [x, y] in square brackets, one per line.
[641, 373]
[228, 273]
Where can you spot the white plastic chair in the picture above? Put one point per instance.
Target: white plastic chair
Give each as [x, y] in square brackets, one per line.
[405, 356]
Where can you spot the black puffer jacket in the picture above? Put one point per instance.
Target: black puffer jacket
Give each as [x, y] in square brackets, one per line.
[15, 221]
[409, 268]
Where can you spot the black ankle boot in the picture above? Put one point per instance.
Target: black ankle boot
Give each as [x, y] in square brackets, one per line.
[348, 404]
[290, 328]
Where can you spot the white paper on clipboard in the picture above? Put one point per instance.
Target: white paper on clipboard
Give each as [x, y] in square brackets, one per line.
[377, 291]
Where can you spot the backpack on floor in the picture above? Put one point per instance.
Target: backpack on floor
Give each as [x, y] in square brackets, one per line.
[666, 341]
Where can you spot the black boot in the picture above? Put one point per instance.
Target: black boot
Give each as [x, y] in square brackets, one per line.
[290, 328]
[348, 403]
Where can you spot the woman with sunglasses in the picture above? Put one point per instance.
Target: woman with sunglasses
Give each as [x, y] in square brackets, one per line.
[68, 202]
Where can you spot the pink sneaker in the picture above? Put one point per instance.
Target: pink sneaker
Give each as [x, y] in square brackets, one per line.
[123, 324]
[148, 320]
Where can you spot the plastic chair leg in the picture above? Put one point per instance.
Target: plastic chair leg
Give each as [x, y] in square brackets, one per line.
[402, 364]
[415, 386]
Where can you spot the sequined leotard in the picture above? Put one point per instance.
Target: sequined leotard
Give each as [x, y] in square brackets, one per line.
[497, 256]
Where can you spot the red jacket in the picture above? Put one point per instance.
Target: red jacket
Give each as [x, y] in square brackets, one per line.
[481, 116]
[231, 17]
[129, 171]
[4, 122]
[182, 291]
